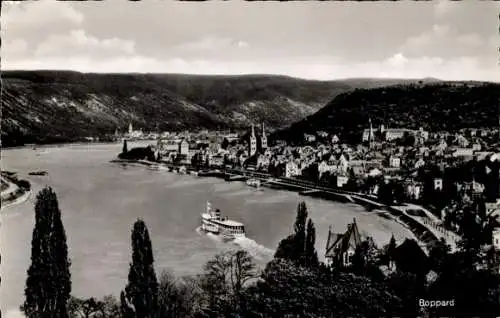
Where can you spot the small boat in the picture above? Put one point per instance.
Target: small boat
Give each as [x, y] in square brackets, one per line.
[253, 183]
[38, 173]
[213, 222]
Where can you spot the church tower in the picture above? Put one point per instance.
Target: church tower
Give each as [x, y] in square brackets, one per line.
[130, 129]
[370, 138]
[253, 143]
[263, 139]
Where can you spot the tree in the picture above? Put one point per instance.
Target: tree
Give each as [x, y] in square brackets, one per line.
[438, 255]
[385, 194]
[48, 285]
[141, 292]
[85, 308]
[224, 279]
[224, 144]
[300, 231]
[177, 297]
[311, 256]
[125, 148]
[299, 247]
[288, 290]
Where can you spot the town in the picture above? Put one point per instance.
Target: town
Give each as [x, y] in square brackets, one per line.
[425, 178]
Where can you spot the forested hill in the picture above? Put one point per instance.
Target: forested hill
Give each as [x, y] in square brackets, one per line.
[52, 106]
[433, 106]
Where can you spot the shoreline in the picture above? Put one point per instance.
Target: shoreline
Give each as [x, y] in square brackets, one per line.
[20, 193]
[424, 235]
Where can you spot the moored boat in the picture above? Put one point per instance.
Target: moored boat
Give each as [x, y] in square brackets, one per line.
[253, 183]
[213, 222]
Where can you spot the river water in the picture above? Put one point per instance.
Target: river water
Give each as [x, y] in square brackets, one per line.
[100, 201]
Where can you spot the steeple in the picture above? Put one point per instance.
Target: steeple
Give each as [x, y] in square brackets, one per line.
[253, 143]
[371, 133]
[263, 138]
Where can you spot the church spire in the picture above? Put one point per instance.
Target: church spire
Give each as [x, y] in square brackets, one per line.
[371, 132]
[253, 131]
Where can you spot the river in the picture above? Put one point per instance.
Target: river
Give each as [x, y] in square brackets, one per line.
[100, 201]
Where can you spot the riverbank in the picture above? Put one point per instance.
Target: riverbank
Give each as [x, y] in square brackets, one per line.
[15, 191]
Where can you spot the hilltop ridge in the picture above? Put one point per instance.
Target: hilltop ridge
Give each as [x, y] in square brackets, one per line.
[435, 106]
[60, 106]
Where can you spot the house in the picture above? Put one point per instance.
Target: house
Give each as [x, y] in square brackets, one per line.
[184, 147]
[263, 162]
[309, 138]
[394, 162]
[335, 139]
[393, 134]
[438, 184]
[461, 141]
[292, 169]
[463, 152]
[325, 167]
[374, 172]
[216, 161]
[493, 208]
[341, 181]
[440, 148]
[420, 163]
[167, 146]
[496, 239]
[413, 190]
[340, 248]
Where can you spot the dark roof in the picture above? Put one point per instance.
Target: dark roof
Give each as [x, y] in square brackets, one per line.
[340, 243]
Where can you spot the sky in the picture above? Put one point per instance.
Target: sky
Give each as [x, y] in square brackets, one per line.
[313, 40]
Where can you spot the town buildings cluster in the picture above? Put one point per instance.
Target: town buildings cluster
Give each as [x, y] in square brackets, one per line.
[413, 162]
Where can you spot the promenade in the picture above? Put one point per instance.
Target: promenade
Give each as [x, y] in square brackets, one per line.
[425, 225]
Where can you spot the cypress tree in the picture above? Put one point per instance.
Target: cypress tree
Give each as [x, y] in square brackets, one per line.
[125, 148]
[299, 246]
[300, 231]
[48, 285]
[141, 291]
[311, 256]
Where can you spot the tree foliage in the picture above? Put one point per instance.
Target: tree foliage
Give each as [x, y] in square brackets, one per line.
[224, 280]
[125, 147]
[141, 293]
[48, 285]
[300, 246]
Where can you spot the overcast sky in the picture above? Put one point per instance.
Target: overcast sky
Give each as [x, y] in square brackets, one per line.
[316, 40]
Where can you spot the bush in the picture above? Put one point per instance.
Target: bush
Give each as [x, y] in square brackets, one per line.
[24, 184]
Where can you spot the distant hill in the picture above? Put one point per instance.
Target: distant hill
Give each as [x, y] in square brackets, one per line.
[57, 106]
[431, 105]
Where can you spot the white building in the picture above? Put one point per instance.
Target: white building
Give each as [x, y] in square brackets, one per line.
[166, 146]
[438, 184]
[496, 239]
[463, 152]
[394, 162]
[420, 163]
[184, 147]
[292, 169]
[341, 181]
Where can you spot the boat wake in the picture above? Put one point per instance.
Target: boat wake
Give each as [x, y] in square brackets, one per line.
[259, 252]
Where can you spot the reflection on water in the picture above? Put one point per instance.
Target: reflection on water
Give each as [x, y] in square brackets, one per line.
[101, 200]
